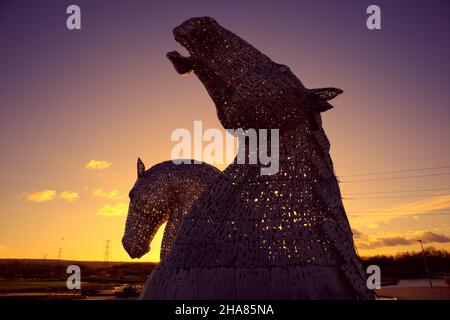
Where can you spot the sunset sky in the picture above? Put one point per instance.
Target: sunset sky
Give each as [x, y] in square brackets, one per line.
[78, 107]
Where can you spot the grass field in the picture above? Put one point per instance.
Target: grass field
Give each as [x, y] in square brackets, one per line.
[25, 285]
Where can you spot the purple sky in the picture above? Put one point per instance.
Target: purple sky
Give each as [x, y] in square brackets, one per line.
[108, 92]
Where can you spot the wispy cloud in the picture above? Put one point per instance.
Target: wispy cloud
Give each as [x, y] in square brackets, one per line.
[433, 203]
[356, 233]
[98, 164]
[428, 236]
[49, 195]
[364, 241]
[411, 209]
[69, 196]
[41, 196]
[110, 195]
[389, 241]
[117, 210]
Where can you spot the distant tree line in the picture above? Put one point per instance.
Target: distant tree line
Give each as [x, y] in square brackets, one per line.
[405, 265]
[411, 264]
[11, 269]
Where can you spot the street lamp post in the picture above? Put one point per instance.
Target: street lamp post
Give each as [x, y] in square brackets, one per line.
[425, 262]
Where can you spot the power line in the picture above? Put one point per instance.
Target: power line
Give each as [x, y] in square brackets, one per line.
[399, 211]
[399, 159]
[107, 252]
[397, 215]
[397, 197]
[59, 254]
[397, 171]
[397, 178]
[401, 191]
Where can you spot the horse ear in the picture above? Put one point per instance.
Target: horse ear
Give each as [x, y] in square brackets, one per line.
[140, 168]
